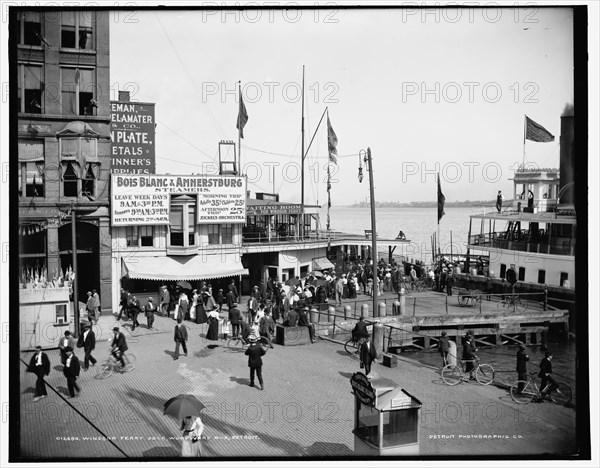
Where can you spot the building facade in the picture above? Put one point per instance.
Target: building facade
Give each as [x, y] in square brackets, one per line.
[63, 146]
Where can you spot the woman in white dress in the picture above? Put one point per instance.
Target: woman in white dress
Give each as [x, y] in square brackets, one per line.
[191, 430]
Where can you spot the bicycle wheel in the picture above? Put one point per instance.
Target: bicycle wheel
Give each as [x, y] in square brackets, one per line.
[527, 393]
[129, 360]
[104, 371]
[235, 343]
[521, 306]
[264, 341]
[503, 305]
[484, 374]
[562, 394]
[451, 374]
[350, 347]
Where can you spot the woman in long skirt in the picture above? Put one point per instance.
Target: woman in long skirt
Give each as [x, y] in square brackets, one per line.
[191, 430]
[213, 326]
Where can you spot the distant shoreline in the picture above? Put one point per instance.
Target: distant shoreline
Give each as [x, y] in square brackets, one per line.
[426, 204]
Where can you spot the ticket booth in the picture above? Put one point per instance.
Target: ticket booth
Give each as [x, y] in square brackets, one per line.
[386, 418]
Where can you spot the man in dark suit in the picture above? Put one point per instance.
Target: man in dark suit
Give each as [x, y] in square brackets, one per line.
[548, 383]
[231, 298]
[522, 359]
[118, 346]
[235, 317]
[367, 355]
[233, 288]
[40, 366]
[303, 321]
[71, 371]
[469, 350]
[64, 343]
[292, 318]
[180, 336]
[360, 329]
[135, 309]
[254, 353]
[87, 341]
[266, 327]
[149, 311]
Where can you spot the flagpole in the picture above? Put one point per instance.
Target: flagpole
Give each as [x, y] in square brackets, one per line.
[302, 153]
[524, 138]
[240, 136]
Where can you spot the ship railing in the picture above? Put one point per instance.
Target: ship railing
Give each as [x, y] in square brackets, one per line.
[498, 240]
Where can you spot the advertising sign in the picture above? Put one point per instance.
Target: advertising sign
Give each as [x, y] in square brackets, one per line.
[363, 389]
[283, 209]
[145, 199]
[132, 132]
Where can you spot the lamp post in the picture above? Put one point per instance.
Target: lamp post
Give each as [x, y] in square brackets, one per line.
[76, 317]
[365, 156]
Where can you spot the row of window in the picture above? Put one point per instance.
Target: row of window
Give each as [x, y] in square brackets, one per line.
[541, 275]
[76, 31]
[75, 96]
[143, 236]
[79, 167]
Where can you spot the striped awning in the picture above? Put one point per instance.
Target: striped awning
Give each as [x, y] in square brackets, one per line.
[198, 267]
[322, 263]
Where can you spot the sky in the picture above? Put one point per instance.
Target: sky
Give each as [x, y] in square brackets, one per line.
[437, 90]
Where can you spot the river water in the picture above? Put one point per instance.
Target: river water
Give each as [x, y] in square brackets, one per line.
[419, 224]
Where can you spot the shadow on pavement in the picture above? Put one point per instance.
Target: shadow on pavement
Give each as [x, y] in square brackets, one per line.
[204, 352]
[324, 449]
[348, 375]
[58, 368]
[170, 353]
[240, 381]
[161, 452]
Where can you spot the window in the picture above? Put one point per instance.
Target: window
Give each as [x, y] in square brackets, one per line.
[79, 159]
[182, 221]
[139, 236]
[61, 313]
[78, 87]
[70, 181]
[88, 183]
[77, 29]
[502, 270]
[31, 168]
[368, 424]
[521, 273]
[542, 276]
[227, 234]
[399, 427]
[29, 90]
[564, 277]
[213, 233]
[29, 28]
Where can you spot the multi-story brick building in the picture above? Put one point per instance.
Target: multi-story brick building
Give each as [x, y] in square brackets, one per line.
[61, 146]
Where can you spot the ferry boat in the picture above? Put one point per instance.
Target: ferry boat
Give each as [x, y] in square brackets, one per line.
[535, 235]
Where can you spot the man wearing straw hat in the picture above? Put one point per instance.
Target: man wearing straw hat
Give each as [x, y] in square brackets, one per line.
[254, 353]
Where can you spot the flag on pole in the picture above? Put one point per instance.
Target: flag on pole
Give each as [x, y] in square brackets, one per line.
[441, 200]
[332, 142]
[242, 116]
[535, 132]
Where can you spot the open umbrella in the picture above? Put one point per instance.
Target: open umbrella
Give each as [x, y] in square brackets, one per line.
[316, 274]
[183, 405]
[293, 282]
[184, 284]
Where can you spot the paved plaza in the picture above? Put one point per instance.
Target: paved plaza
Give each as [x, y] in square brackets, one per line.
[306, 408]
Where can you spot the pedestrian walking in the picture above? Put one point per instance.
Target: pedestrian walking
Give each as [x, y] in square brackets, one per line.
[235, 317]
[191, 431]
[444, 344]
[266, 327]
[522, 359]
[255, 353]
[91, 307]
[226, 328]
[213, 327]
[184, 306]
[123, 303]
[149, 311]
[548, 383]
[165, 301]
[134, 309]
[40, 366]
[64, 343]
[87, 341]
[449, 283]
[220, 299]
[180, 336]
[96, 304]
[71, 372]
[368, 355]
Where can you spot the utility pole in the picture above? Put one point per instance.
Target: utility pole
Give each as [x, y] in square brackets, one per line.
[366, 157]
[76, 317]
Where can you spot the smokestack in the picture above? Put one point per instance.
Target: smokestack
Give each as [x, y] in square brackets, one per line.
[567, 156]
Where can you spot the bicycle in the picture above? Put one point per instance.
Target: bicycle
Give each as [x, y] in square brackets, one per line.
[455, 374]
[561, 394]
[240, 344]
[513, 302]
[111, 365]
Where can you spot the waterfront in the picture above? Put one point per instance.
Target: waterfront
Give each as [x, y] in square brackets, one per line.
[418, 225]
